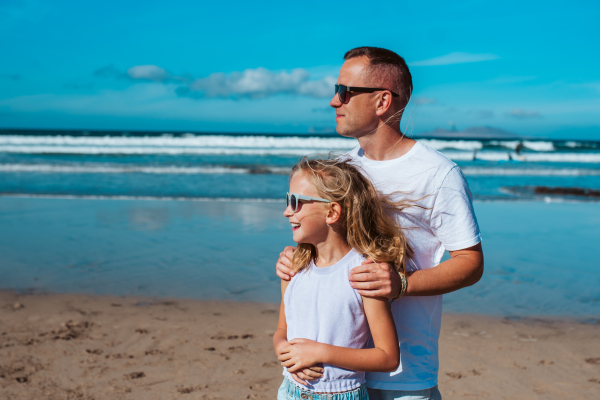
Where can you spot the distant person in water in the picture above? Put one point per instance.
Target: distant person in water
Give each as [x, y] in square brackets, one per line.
[373, 88]
[519, 148]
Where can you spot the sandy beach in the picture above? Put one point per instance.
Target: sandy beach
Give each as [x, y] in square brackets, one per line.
[88, 347]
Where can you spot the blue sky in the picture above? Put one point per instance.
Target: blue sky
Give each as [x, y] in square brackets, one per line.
[529, 67]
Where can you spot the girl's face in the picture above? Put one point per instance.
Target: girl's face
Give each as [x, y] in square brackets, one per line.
[309, 222]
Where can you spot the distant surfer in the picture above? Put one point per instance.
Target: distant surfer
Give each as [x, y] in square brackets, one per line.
[518, 152]
[474, 154]
[518, 148]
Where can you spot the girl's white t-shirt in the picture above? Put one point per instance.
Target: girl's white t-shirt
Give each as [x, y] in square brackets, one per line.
[447, 222]
[321, 305]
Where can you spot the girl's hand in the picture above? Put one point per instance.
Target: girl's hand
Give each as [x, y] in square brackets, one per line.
[280, 347]
[301, 354]
[307, 374]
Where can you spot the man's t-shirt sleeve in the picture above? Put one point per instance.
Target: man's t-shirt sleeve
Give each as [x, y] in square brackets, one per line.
[453, 219]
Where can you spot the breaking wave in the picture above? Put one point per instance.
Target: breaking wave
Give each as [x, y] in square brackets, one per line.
[91, 168]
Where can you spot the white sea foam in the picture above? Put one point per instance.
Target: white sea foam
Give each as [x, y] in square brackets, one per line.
[509, 144]
[475, 171]
[114, 169]
[438, 144]
[159, 198]
[178, 170]
[539, 146]
[297, 151]
[527, 157]
[293, 151]
[547, 199]
[208, 141]
[531, 145]
[459, 150]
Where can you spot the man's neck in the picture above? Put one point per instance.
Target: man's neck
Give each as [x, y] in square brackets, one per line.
[386, 143]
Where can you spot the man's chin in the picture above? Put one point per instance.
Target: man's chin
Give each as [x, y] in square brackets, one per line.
[344, 132]
[340, 130]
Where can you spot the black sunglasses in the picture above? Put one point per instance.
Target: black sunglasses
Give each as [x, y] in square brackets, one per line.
[342, 91]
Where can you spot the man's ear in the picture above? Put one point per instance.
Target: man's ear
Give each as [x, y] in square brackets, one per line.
[384, 102]
[334, 213]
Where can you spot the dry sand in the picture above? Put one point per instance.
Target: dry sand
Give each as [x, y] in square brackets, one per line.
[85, 347]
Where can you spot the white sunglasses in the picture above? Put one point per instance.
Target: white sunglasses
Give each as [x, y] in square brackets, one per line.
[294, 200]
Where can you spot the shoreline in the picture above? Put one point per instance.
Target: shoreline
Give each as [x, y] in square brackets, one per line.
[109, 347]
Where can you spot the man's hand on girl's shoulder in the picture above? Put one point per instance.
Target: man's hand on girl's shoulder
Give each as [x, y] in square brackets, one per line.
[372, 279]
[284, 264]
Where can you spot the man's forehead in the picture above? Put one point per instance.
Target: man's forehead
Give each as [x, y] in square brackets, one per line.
[352, 71]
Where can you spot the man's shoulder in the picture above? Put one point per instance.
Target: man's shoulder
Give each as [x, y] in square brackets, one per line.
[431, 156]
[421, 160]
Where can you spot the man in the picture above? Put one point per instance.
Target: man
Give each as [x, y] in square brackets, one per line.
[374, 87]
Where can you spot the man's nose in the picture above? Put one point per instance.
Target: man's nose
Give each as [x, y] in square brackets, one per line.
[335, 101]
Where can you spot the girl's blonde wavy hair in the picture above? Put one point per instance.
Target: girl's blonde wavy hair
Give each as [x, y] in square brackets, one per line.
[369, 225]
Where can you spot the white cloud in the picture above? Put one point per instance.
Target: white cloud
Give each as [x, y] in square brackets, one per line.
[259, 83]
[455, 58]
[523, 114]
[148, 72]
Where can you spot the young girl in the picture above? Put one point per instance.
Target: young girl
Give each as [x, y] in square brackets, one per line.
[338, 219]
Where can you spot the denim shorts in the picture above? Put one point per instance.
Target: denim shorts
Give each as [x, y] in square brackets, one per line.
[289, 391]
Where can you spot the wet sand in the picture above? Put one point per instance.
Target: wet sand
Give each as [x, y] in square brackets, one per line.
[88, 347]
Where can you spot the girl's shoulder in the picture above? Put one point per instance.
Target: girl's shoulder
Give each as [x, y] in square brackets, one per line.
[353, 259]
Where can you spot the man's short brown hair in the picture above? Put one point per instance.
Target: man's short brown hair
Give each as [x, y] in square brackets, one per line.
[386, 68]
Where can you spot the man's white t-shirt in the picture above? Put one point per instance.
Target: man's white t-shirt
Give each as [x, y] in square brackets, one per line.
[446, 223]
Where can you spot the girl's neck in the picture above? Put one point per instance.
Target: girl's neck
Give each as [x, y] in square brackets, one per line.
[331, 251]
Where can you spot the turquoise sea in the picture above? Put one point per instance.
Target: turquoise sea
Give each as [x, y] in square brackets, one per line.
[200, 216]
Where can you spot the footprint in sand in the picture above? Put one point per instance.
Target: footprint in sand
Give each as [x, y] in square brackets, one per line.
[190, 389]
[519, 366]
[272, 364]
[223, 336]
[117, 356]
[261, 386]
[460, 375]
[593, 361]
[238, 349]
[135, 375]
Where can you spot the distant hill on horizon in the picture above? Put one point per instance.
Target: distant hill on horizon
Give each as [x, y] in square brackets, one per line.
[476, 132]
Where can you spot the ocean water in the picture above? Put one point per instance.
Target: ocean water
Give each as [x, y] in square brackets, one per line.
[256, 166]
[200, 216]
